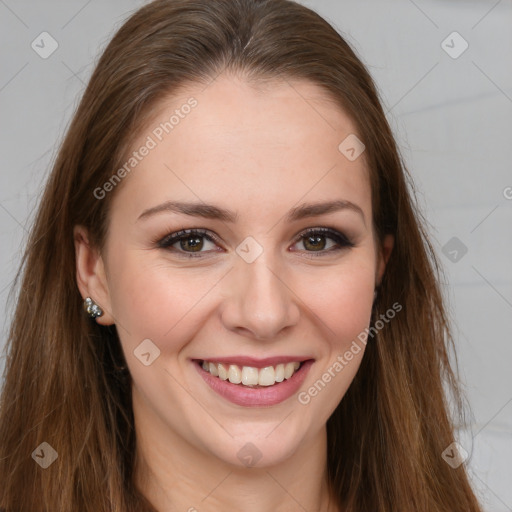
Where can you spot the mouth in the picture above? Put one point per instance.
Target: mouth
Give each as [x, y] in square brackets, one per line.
[257, 382]
[251, 376]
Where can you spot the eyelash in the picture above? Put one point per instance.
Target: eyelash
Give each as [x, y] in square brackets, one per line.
[168, 241]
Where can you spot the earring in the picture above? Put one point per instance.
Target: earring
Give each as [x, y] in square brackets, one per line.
[91, 308]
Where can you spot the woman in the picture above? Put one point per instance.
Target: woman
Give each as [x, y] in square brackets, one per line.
[263, 325]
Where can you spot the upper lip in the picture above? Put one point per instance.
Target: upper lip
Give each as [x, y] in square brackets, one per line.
[254, 362]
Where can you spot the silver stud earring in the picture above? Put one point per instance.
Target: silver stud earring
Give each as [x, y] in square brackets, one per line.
[91, 308]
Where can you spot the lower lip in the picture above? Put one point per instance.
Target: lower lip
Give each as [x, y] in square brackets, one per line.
[256, 397]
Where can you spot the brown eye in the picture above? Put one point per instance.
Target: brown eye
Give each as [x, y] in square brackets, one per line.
[191, 242]
[323, 241]
[194, 243]
[315, 242]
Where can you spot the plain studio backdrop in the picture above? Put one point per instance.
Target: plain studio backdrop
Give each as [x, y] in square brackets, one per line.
[443, 69]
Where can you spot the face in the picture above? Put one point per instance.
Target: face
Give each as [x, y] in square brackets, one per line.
[261, 281]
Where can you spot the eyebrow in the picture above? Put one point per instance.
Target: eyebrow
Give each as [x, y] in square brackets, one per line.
[210, 211]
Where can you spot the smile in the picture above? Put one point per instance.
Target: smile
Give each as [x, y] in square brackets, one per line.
[251, 376]
[254, 383]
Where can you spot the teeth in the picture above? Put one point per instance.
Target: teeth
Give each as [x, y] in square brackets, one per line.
[223, 373]
[249, 376]
[267, 376]
[234, 374]
[288, 370]
[213, 369]
[280, 373]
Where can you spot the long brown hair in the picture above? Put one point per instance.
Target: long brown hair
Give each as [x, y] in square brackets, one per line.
[386, 437]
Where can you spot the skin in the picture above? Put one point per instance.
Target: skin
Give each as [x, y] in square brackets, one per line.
[258, 151]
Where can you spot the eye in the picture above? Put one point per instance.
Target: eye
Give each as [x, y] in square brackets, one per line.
[315, 240]
[188, 242]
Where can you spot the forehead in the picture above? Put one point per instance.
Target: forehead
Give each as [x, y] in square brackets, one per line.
[232, 142]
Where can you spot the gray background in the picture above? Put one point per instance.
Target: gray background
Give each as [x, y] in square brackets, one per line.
[452, 119]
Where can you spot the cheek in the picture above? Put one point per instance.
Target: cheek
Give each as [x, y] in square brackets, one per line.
[166, 304]
[157, 301]
[341, 299]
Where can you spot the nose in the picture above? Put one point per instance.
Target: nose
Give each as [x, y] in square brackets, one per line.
[259, 303]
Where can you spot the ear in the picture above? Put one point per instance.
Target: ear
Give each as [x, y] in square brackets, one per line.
[384, 252]
[90, 274]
